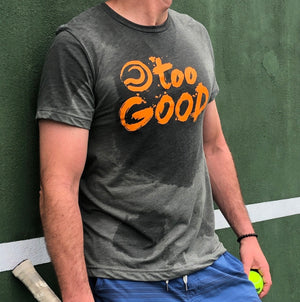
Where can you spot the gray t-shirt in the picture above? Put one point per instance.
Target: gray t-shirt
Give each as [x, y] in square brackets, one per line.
[145, 194]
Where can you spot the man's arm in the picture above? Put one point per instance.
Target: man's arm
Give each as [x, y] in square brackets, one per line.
[227, 194]
[63, 151]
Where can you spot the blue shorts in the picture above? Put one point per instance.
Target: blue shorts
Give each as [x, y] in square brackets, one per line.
[223, 281]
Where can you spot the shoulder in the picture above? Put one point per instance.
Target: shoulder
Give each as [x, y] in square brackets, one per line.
[89, 31]
[186, 21]
[87, 24]
[191, 28]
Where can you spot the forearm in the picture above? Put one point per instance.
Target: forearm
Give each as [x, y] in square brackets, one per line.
[62, 225]
[227, 194]
[226, 188]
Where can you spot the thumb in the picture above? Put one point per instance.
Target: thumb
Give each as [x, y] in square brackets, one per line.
[247, 267]
[247, 262]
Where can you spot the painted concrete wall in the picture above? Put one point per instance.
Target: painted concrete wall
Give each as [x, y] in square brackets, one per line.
[257, 52]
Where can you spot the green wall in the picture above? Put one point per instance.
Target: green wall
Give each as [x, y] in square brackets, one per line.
[257, 54]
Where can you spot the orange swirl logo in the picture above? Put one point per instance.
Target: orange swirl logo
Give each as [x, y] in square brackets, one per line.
[143, 82]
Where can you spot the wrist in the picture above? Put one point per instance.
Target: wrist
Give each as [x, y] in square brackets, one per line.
[78, 295]
[245, 236]
[84, 298]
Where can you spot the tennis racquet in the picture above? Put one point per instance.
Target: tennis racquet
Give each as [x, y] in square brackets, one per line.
[26, 273]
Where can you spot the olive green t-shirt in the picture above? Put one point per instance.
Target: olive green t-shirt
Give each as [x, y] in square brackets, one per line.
[141, 91]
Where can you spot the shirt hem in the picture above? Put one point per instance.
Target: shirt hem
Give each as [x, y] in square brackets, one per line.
[64, 118]
[151, 275]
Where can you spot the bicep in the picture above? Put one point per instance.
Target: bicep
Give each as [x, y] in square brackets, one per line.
[63, 151]
[212, 129]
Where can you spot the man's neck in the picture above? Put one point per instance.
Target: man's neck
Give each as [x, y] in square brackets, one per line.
[142, 12]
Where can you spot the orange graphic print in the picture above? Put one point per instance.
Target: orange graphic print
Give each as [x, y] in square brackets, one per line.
[166, 99]
[138, 78]
[137, 84]
[142, 116]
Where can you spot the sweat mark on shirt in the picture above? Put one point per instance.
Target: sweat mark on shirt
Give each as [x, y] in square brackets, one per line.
[136, 243]
[146, 236]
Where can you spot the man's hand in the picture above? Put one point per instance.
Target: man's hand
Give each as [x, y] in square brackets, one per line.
[253, 258]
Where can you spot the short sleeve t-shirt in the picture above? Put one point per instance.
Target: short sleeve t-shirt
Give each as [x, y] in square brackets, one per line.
[141, 91]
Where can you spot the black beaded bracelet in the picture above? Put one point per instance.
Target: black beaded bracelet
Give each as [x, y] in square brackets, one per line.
[245, 236]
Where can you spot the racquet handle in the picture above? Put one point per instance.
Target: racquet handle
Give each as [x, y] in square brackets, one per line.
[26, 273]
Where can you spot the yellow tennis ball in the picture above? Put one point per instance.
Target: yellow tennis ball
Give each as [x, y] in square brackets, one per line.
[257, 280]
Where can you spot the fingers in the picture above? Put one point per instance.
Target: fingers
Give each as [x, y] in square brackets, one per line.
[265, 272]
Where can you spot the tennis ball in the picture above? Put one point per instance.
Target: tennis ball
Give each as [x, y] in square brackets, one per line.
[257, 280]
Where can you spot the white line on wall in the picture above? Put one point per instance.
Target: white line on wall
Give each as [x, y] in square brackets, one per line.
[264, 211]
[12, 253]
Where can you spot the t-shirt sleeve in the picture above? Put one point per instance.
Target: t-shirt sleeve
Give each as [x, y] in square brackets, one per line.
[215, 87]
[215, 91]
[66, 87]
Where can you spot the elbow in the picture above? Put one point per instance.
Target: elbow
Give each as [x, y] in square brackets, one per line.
[215, 148]
[55, 193]
[44, 203]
